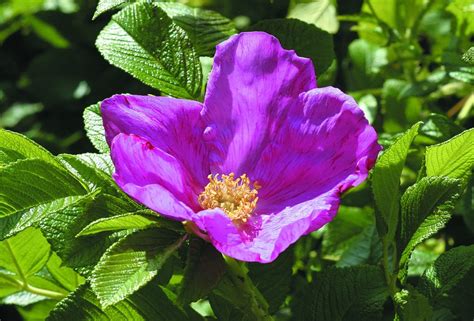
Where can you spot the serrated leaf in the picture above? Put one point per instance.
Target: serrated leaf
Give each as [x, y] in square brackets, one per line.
[64, 275]
[447, 272]
[107, 5]
[142, 40]
[25, 253]
[205, 28]
[344, 230]
[386, 182]
[204, 269]
[94, 127]
[14, 146]
[412, 305]
[366, 248]
[273, 280]
[135, 220]
[425, 208]
[343, 294]
[453, 158]
[61, 228]
[149, 303]
[306, 39]
[88, 168]
[131, 263]
[29, 183]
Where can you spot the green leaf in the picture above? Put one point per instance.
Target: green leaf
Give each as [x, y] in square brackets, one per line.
[135, 220]
[25, 253]
[204, 269]
[107, 5]
[366, 248]
[453, 158]
[336, 294]
[131, 263]
[14, 146]
[94, 128]
[204, 28]
[88, 168]
[344, 230]
[447, 272]
[61, 228]
[425, 208]
[273, 280]
[64, 275]
[29, 183]
[47, 32]
[412, 305]
[307, 40]
[386, 182]
[37, 311]
[143, 41]
[321, 13]
[149, 303]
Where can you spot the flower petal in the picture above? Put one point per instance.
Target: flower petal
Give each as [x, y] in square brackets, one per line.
[267, 235]
[252, 84]
[172, 125]
[325, 144]
[152, 177]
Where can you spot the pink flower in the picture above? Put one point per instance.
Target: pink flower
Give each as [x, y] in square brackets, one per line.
[260, 163]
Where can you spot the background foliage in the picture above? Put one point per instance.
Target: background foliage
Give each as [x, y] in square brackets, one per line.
[401, 247]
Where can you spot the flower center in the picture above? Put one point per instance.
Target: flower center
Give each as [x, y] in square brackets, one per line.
[235, 196]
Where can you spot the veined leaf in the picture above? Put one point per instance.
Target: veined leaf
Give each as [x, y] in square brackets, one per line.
[61, 228]
[386, 182]
[131, 263]
[135, 220]
[336, 294]
[426, 207]
[106, 5]
[66, 276]
[29, 183]
[447, 272]
[25, 253]
[273, 280]
[94, 128]
[204, 269]
[14, 146]
[204, 28]
[149, 303]
[142, 40]
[15, 223]
[306, 39]
[89, 169]
[412, 305]
[453, 158]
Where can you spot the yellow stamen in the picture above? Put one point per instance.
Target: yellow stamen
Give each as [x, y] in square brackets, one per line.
[234, 196]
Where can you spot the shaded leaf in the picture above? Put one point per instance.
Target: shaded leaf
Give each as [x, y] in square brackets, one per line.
[94, 128]
[307, 40]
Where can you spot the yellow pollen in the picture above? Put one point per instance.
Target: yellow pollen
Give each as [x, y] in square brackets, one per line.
[234, 196]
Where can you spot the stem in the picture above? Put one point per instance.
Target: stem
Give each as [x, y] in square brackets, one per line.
[390, 277]
[257, 303]
[23, 283]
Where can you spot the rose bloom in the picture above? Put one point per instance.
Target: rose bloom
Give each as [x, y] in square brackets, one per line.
[263, 161]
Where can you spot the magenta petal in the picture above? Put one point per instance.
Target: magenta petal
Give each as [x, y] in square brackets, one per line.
[268, 235]
[172, 125]
[152, 177]
[325, 144]
[253, 83]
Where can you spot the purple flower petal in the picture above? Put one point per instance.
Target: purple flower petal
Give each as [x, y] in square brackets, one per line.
[267, 235]
[325, 144]
[172, 125]
[152, 177]
[253, 83]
